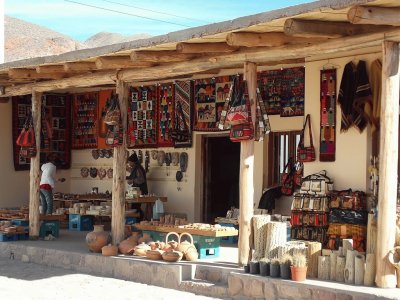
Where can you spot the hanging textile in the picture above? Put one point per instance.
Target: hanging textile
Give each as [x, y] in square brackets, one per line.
[376, 87]
[354, 95]
[165, 115]
[210, 95]
[56, 133]
[142, 122]
[184, 98]
[327, 149]
[283, 91]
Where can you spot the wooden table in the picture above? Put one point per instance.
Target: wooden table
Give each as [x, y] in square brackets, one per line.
[207, 242]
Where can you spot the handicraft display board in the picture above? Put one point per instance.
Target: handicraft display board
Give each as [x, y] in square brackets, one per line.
[283, 91]
[210, 95]
[85, 121]
[165, 114]
[142, 117]
[184, 96]
[56, 110]
[328, 115]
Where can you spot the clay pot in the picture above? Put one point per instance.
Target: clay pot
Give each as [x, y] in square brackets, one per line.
[298, 273]
[173, 244]
[172, 256]
[154, 254]
[97, 238]
[187, 248]
[109, 250]
[127, 246]
[141, 249]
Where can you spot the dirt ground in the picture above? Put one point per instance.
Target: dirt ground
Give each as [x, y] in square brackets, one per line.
[20, 281]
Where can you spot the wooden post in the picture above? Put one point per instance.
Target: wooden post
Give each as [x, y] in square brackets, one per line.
[246, 181]
[34, 174]
[119, 177]
[385, 272]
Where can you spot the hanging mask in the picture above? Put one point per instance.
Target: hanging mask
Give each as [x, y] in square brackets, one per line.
[161, 158]
[102, 173]
[84, 172]
[175, 158]
[93, 172]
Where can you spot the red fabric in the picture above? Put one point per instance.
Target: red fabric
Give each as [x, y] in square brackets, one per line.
[45, 187]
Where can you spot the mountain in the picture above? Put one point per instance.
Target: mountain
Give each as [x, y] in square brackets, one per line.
[108, 38]
[26, 40]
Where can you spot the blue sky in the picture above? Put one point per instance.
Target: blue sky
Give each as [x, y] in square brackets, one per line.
[80, 22]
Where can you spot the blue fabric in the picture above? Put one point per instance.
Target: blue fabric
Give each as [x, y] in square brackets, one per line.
[46, 200]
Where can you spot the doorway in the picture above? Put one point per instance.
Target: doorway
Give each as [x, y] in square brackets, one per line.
[221, 167]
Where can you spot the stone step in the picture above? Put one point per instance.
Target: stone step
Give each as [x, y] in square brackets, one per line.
[205, 288]
[215, 274]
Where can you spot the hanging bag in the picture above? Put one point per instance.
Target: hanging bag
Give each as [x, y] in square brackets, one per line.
[179, 134]
[238, 113]
[113, 114]
[306, 154]
[27, 136]
[316, 184]
[287, 178]
[222, 121]
[244, 131]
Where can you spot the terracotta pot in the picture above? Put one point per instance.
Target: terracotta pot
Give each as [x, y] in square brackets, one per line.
[141, 249]
[172, 256]
[127, 246]
[154, 254]
[173, 244]
[109, 250]
[97, 238]
[299, 273]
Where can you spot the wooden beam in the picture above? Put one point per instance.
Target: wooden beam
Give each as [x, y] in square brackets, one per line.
[34, 174]
[246, 177]
[269, 39]
[32, 74]
[374, 15]
[119, 62]
[310, 29]
[86, 80]
[202, 48]
[160, 56]
[119, 167]
[385, 272]
[258, 55]
[50, 69]
[79, 66]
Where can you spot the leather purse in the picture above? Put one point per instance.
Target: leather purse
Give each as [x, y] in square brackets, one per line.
[306, 154]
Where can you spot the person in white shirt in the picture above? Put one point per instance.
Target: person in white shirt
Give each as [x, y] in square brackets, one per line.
[47, 183]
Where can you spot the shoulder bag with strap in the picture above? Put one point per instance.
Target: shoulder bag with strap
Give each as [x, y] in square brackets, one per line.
[27, 136]
[306, 154]
[222, 125]
[287, 178]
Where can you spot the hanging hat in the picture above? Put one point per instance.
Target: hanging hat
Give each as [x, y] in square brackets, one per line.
[183, 161]
[102, 173]
[95, 153]
[161, 158]
[84, 172]
[175, 158]
[154, 154]
[110, 173]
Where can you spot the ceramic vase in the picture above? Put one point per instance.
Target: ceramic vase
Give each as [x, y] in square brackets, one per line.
[97, 238]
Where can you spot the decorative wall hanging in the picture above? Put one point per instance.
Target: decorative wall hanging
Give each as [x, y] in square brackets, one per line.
[327, 147]
[165, 115]
[55, 136]
[105, 97]
[184, 113]
[283, 91]
[85, 121]
[142, 122]
[210, 95]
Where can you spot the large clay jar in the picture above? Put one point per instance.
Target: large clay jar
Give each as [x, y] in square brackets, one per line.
[97, 239]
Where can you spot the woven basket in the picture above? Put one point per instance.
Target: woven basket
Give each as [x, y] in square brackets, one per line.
[276, 236]
[260, 235]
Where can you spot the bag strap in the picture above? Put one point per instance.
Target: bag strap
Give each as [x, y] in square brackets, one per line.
[227, 104]
[308, 120]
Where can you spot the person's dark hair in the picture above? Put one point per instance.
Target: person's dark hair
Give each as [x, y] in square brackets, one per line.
[133, 158]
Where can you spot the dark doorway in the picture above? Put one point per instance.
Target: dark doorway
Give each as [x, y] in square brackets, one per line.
[221, 177]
